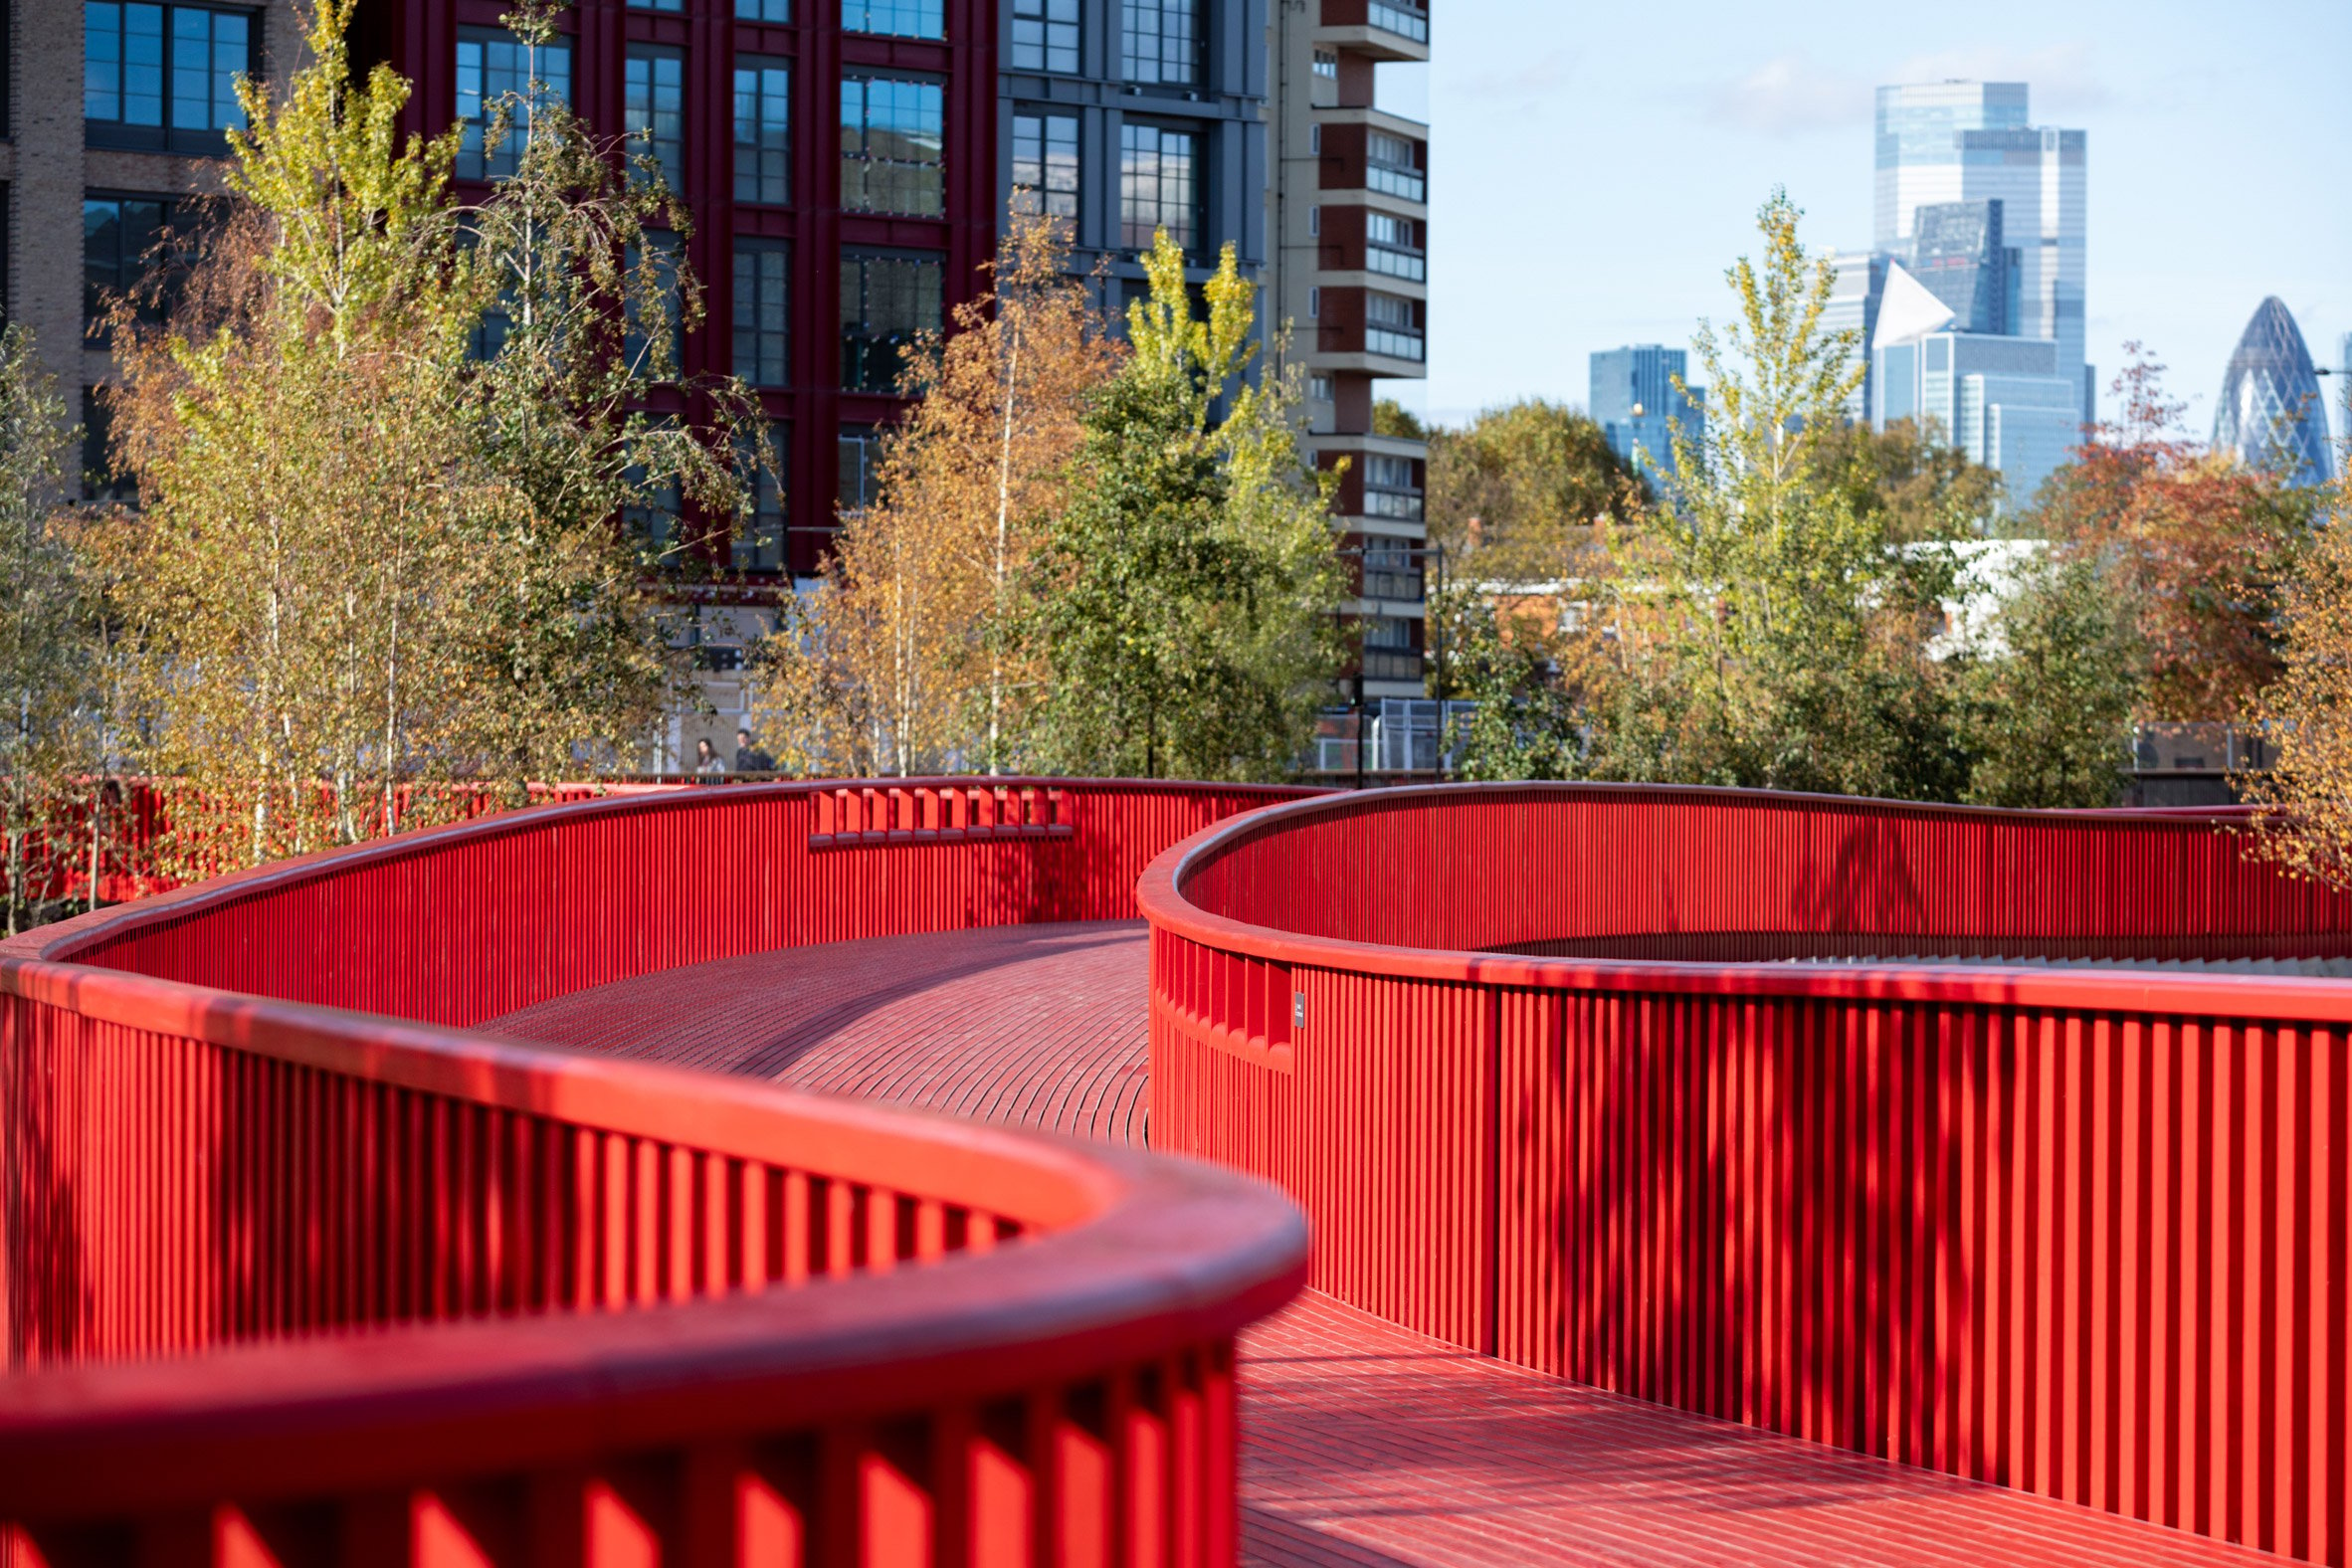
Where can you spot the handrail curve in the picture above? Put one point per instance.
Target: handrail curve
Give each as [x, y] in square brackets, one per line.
[1788, 1109]
[300, 1264]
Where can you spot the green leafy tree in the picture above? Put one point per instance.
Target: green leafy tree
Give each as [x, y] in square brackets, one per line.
[2045, 714]
[1770, 634]
[377, 549]
[1513, 496]
[47, 661]
[1185, 599]
[1911, 483]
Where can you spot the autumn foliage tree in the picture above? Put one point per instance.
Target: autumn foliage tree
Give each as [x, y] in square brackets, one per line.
[907, 656]
[380, 445]
[2196, 542]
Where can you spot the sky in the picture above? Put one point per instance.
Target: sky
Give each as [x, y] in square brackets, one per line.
[1593, 169]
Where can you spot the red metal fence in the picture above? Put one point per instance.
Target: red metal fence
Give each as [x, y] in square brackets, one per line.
[287, 1281]
[2079, 1232]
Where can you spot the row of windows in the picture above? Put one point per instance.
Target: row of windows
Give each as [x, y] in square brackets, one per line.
[1160, 185]
[759, 539]
[164, 75]
[895, 17]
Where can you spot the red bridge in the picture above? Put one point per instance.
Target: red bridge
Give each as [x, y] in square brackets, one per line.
[1693, 1177]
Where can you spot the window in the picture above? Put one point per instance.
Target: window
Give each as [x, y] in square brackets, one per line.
[653, 108]
[1389, 488]
[1392, 326]
[118, 232]
[1391, 571]
[1318, 388]
[657, 5]
[1389, 654]
[101, 479]
[763, 130]
[1392, 245]
[857, 450]
[898, 18]
[763, 272]
[163, 76]
[1314, 304]
[759, 537]
[1327, 65]
[1046, 163]
[1160, 46]
[1314, 139]
[651, 516]
[763, 10]
[494, 71]
[889, 299]
[646, 359]
[1406, 20]
[1157, 186]
[1390, 166]
[1044, 35]
[891, 146]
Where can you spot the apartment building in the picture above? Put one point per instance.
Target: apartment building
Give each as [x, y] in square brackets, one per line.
[1348, 209]
[1127, 117]
[116, 113]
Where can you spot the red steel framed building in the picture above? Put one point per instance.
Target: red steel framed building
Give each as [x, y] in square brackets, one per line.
[869, 214]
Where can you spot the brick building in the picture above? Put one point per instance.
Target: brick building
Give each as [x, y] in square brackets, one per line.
[115, 111]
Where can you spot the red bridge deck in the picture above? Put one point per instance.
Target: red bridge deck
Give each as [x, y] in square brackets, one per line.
[1366, 1444]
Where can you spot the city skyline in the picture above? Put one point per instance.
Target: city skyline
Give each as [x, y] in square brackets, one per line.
[2181, 106]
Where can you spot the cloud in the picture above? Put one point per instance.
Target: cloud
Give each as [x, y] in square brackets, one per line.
[2061, 76]
[1790, 96]
[1539, 77]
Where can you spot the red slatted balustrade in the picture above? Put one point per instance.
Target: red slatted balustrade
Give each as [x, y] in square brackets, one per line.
[289, 1280]
[2082, 1231]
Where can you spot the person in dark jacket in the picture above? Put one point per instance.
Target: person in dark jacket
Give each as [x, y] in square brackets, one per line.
[748, 757]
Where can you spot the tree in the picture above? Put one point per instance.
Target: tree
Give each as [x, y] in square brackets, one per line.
[1768, 633]
[1911, 483]
[2196, 543]
[1513, 496]
[2305, 801]
[376, 547]
[908, 657]
[2045, 714]
[1185, 600]
[46, 663]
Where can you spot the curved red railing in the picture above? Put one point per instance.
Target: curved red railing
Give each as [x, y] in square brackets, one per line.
[298, 1270]
[2079, 1230]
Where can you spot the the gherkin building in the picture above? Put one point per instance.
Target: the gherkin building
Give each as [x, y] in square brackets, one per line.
[2272, 412]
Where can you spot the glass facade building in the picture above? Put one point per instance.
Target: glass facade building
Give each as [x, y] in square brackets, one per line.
[2006, 402]
[1957, 254]
[1853, 308]
[1945, 142]
[1632, 397]
[2272, 413]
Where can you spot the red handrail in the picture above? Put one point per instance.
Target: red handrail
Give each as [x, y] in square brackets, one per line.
[284, 1279]
[2084, 1232]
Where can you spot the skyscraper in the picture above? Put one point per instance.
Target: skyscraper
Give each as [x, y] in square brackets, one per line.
[2001, 400]
[1633, 396]
[1974, 141]
[1853, 308]
[2270, 408]
[1957, 254]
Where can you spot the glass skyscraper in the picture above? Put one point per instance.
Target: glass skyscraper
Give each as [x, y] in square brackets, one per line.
[1974, 141]
[2270, 411]
[1853, 308]
[1958, 253]
[1633, 395]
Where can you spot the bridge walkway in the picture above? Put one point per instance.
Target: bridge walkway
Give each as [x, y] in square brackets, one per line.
[1366, 1445]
